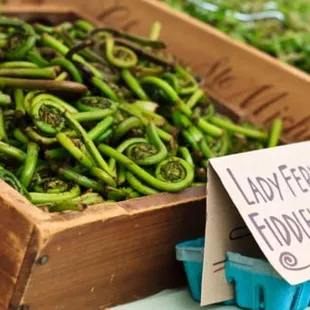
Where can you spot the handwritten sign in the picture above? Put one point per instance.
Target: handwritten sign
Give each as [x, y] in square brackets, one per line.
[270, 189]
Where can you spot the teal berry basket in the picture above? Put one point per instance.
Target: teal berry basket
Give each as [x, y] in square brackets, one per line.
[259, 286]
[190, 253]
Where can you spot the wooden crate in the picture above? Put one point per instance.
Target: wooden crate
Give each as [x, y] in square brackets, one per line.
[119, 252]
[107, 255]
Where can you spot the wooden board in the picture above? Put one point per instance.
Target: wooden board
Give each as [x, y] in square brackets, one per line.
[17, 227]
[105, 263]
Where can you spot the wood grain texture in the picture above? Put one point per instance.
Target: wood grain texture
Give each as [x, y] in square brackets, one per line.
[105, 263]
[30, 259]
[16, 228]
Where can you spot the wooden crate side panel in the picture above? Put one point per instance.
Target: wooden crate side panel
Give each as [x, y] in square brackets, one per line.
[30, 260]
[15, 235]
[101, 264]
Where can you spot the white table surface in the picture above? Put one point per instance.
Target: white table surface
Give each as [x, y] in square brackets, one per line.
[171, 300]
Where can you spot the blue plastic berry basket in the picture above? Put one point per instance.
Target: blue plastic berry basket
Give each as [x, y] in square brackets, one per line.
[190, 253]
[259, 286]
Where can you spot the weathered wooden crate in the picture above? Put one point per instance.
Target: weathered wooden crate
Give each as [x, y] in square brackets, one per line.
[107, 255]
[115, 253]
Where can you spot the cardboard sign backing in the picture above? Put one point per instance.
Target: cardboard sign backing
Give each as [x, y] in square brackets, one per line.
[258, 198]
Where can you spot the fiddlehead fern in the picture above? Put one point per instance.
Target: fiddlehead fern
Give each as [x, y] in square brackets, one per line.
[163, 183]
[13, 181]
[69, 174]
[120, 56]
[77, 203]
[150, 153]
[160, 125]
[54, 190]
[20, 41]
[174, 170]
[105, 32]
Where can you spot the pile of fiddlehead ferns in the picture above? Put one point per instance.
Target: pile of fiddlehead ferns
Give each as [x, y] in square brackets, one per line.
[89, 115]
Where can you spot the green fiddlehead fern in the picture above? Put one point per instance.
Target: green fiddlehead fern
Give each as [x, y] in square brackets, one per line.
[148, 153]
[163, 183]
[13, 181]
[93, 115]
[20, 41]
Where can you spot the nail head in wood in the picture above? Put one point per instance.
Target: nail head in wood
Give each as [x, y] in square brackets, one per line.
[42, 261]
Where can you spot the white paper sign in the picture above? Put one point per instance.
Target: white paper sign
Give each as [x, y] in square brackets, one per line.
[271, 190]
